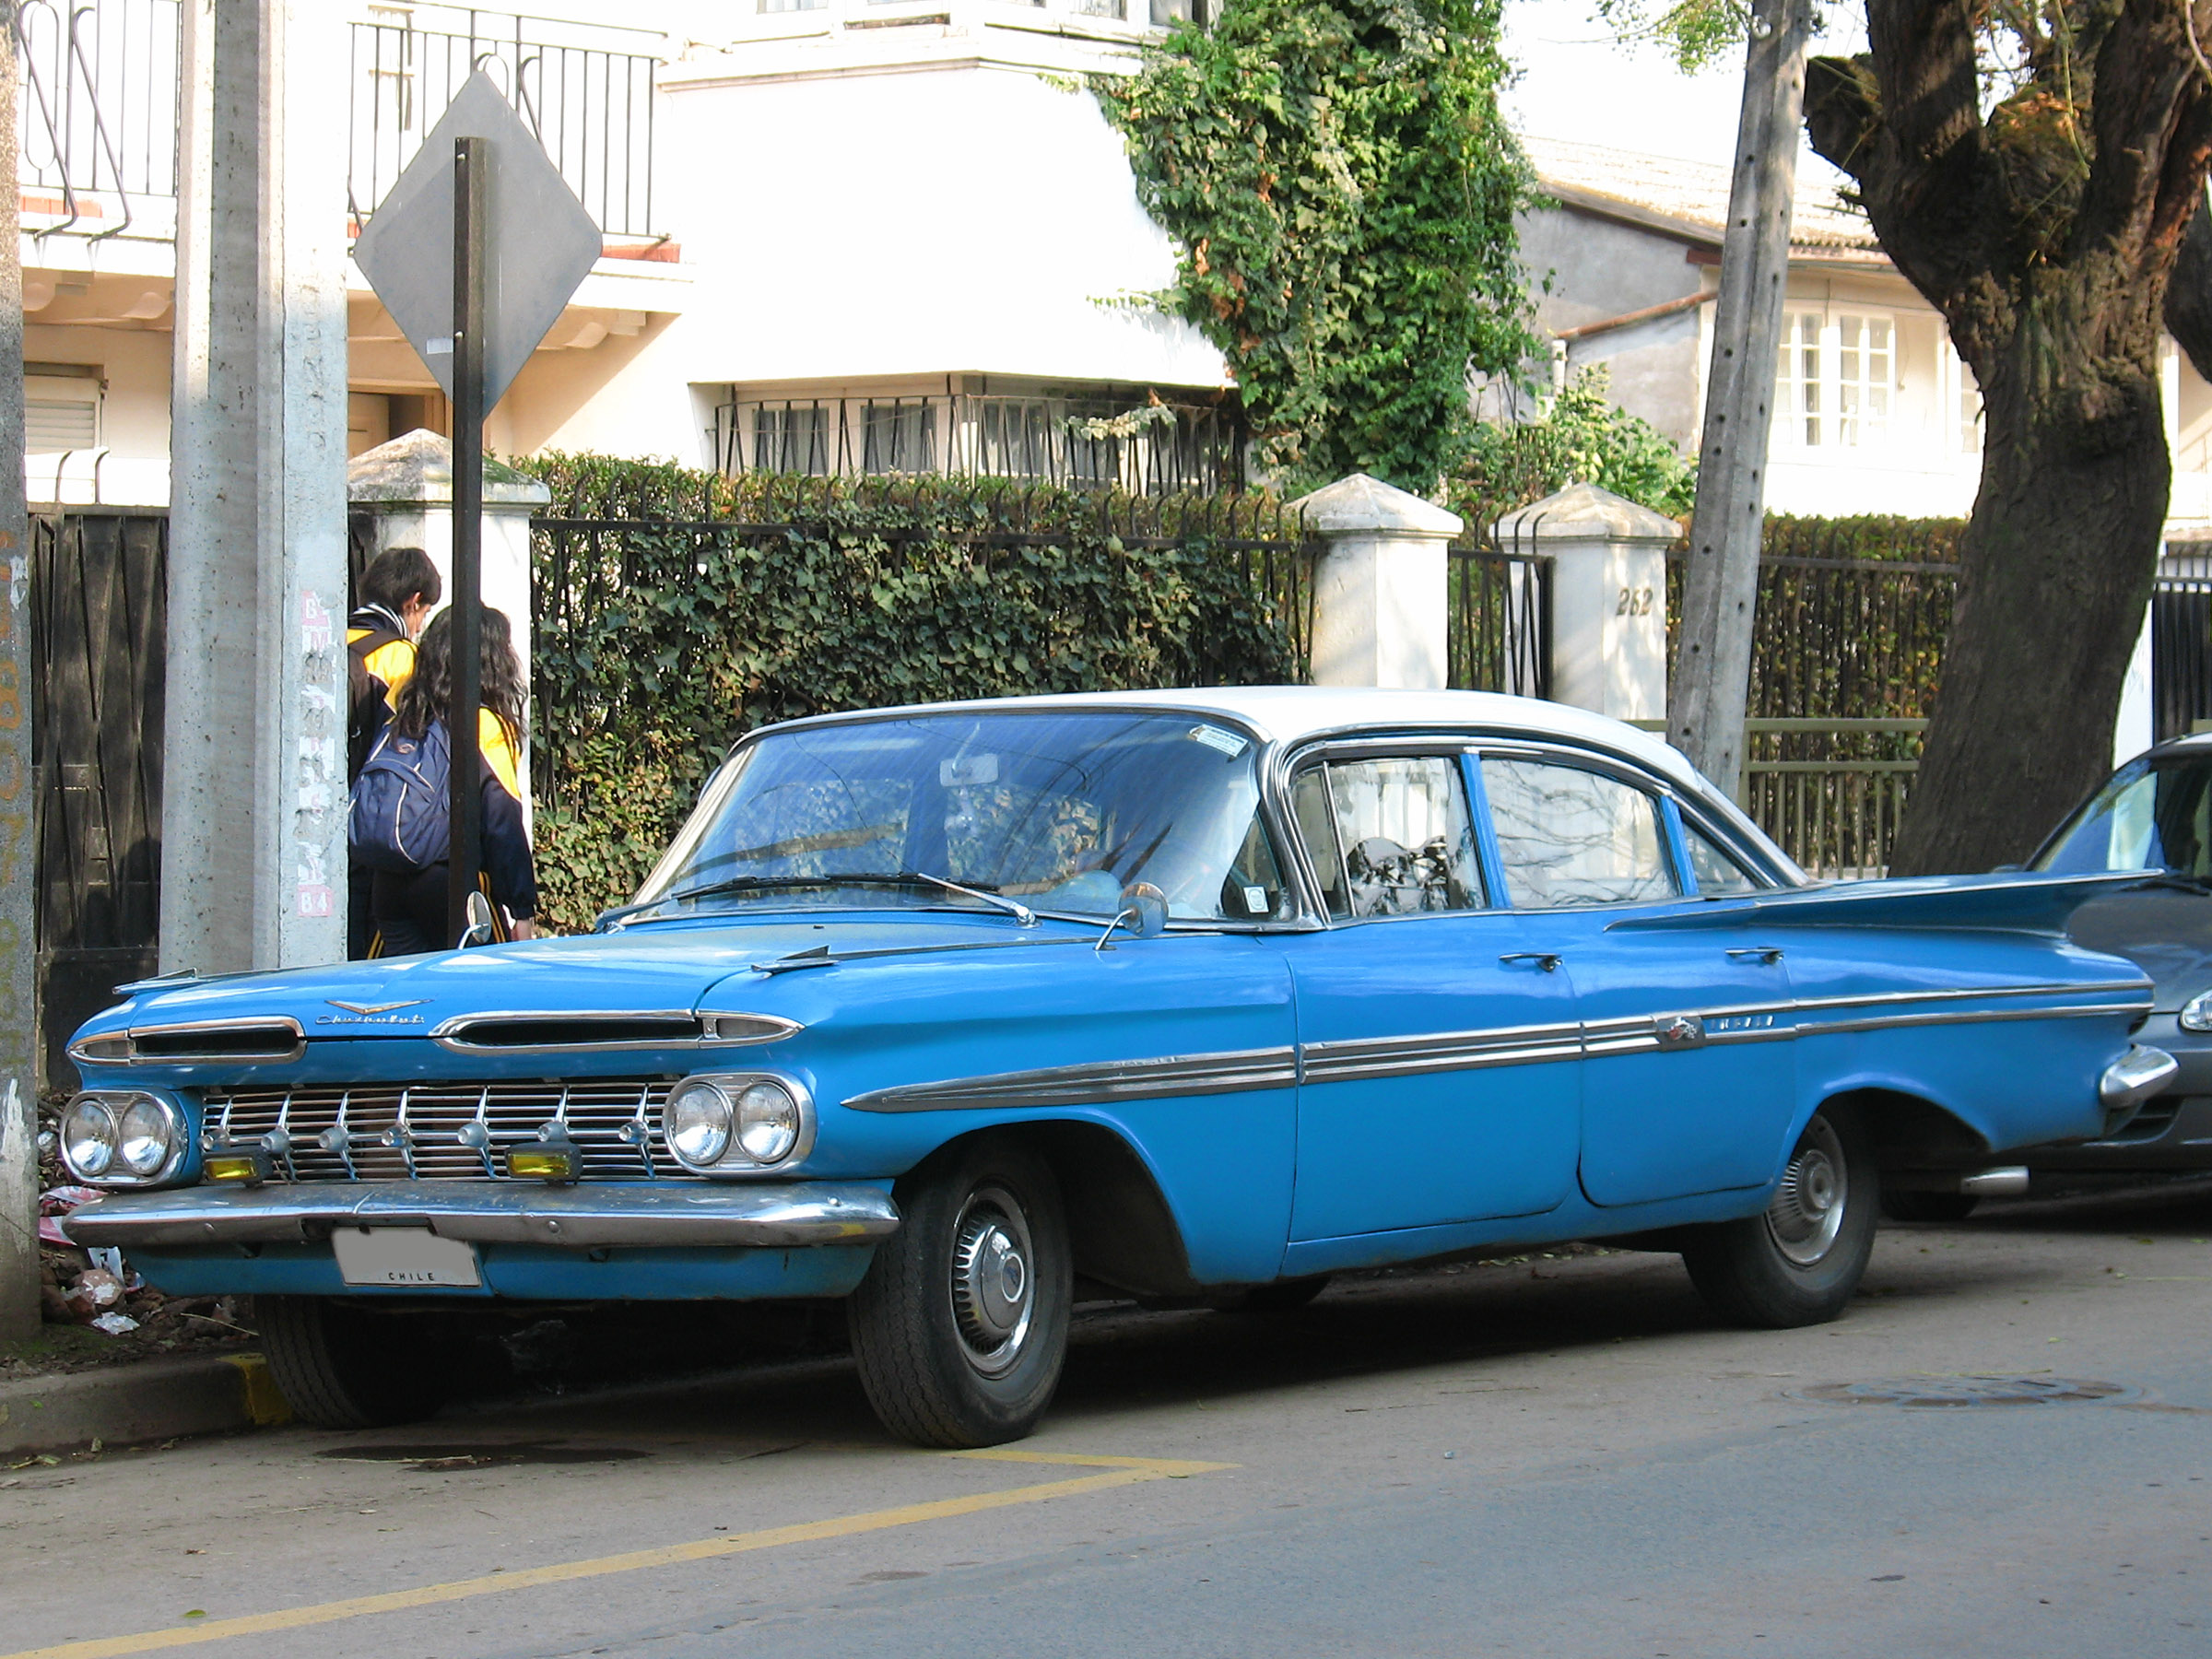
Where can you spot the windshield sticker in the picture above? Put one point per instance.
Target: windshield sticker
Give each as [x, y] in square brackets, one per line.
[965, 770]
[1229, 743]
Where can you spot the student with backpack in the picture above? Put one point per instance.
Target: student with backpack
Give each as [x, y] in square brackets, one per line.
[396, 595]
[399, 825]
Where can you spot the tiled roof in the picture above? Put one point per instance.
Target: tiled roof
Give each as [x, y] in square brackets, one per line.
[1692, 193]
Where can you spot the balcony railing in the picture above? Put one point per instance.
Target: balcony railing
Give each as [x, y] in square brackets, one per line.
[1091, 442]
[586, 92]
[96, 117]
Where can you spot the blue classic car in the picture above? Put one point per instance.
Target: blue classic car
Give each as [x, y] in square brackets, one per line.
[962, 1012]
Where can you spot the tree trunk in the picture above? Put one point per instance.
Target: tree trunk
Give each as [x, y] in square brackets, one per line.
[2056, 568]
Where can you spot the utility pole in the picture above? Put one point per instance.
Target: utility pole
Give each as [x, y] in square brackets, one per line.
[1720, 588]
[18, 842]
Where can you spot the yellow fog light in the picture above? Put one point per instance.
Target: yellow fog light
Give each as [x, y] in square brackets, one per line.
[556, 1160]
[251, 1168]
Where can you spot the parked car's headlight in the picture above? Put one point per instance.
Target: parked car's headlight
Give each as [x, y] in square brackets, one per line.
[699, 1124]
[121, 1139]
[87, 1137]
[735, 1123]
[2196, 1013]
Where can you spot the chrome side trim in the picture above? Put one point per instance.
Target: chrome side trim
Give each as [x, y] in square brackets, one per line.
[709, 1029]
[1449, 1050]
[1884, 1022]
[1957, 994]
[786, 1215]
[1092, 1085]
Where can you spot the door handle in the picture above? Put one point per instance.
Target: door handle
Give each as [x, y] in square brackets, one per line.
[1549, 961]
[1767, 955]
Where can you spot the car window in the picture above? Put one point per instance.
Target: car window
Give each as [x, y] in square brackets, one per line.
[1389, 837]
[1569, 836]
[1716, 871]
[2150, 817]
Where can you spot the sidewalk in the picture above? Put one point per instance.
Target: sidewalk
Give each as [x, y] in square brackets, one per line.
[119, 1405]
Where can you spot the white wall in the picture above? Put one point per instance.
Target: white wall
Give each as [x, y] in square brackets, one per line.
[934, 220]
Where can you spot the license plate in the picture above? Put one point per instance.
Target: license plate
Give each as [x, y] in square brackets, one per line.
[403, 1255]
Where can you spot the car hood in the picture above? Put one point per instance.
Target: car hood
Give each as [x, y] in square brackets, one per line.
[2167, 932]
[669, 967]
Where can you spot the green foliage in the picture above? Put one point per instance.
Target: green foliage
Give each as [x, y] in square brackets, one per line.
[1696, 33]
[1582, 439]
[1342, 189]
[689, 609]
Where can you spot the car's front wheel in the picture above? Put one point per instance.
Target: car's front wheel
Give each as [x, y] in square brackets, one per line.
[342, 1365]
[1798, 1262]
[960, 1326]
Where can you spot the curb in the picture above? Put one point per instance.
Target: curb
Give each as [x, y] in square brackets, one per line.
[159, 1399]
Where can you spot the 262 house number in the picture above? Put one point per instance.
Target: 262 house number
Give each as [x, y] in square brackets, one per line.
[1634, 602]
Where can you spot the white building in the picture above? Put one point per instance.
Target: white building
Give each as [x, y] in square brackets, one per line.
[897, 235]
[1873, 410]
[845, 235]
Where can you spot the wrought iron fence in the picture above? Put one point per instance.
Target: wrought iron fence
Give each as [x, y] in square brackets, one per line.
[1831, 791]
[2181, 645]
[1499, 618]
[586, 90]
[96, 116]
[99, 652]
[1130, 442]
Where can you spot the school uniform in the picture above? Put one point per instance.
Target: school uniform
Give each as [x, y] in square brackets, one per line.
[408, 908]
[383, 660]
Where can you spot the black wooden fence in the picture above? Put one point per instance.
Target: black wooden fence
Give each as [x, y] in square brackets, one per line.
[99, 643]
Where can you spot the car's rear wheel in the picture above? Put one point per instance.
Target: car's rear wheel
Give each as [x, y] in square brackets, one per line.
[1798, 1262]
[342, 1365]
[961, 1327]
[1928, 1206]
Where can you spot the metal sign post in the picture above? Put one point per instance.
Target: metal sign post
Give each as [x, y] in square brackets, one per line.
[483, 195]
[464, 799]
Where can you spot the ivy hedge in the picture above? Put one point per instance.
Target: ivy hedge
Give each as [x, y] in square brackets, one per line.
[675, 610]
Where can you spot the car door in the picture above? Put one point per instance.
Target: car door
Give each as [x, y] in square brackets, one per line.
[1438, 1054]
[1687, 1079]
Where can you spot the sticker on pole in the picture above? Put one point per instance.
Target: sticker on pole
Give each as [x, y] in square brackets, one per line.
[539, 243]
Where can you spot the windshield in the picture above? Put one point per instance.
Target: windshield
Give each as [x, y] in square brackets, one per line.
[1058, 811]
[2152, 816]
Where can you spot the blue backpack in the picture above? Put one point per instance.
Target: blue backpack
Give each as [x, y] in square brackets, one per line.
[396, 818]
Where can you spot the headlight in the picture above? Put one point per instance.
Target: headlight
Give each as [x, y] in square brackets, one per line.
[2196, 1013]
[121, 1139]
[738, 1125]
[699, 1124]
[767, 1121]
[147, 1137]
[87, 1137]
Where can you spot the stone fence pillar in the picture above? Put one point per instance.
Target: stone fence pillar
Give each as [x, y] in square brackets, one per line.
[405, 487]
[1609, 597]
[1381, 587]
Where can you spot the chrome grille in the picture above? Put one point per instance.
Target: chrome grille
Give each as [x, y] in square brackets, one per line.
[448, 1130]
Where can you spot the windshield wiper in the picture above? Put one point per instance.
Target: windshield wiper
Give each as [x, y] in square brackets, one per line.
[1022, 913]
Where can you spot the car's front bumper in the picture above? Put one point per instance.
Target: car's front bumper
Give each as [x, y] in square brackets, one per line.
[592, 1215]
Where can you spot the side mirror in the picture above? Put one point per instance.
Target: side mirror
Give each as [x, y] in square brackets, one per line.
[1146, 908]
[481, 928]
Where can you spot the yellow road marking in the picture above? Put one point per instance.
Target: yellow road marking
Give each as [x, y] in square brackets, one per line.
[1118, 1472]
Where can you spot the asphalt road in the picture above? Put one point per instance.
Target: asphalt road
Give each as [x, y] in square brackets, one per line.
[1551, 1458]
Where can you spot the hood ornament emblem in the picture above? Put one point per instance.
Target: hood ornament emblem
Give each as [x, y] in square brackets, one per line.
[376, 1007]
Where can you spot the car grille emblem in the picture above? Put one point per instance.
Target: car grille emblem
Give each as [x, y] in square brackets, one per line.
[376, 1007]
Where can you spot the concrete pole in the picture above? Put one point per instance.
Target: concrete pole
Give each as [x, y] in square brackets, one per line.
[253, 818]
[1381, 589]
[19, 956]
[1712, 669]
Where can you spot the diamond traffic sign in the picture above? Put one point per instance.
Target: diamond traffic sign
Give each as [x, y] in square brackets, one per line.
[538, 241]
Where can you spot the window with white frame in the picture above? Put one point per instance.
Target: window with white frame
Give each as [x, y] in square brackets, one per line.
[1797, 380]
[1835, 385]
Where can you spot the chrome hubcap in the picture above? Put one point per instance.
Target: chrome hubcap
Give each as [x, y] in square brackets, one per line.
[993, 1284]
[1808, 1211]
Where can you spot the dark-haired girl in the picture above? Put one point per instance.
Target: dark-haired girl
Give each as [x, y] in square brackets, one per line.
[410, 907]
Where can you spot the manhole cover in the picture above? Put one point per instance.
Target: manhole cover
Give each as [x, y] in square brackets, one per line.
[1968, 1390]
